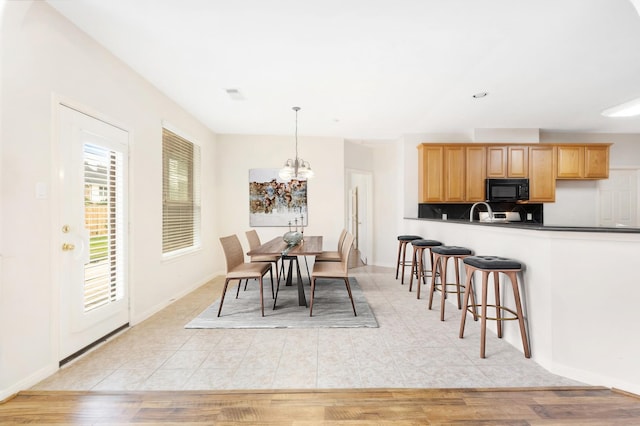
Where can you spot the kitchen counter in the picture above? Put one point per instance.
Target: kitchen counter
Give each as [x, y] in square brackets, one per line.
[579, 288]
[538, 226]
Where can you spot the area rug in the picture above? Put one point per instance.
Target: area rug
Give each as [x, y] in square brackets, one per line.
[331, 308]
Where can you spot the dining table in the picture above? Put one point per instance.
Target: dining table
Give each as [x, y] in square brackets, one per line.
[309, 246]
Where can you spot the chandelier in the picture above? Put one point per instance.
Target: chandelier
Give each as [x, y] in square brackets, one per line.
[297, 168]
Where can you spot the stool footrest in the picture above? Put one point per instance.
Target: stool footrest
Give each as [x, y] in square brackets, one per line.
[502, 308]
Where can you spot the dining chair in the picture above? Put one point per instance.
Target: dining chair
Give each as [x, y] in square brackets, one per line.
[254, 242]
[238, 269]
[327, 270]
[333, 256]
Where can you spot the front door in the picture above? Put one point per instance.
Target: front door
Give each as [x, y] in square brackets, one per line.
[94, 298]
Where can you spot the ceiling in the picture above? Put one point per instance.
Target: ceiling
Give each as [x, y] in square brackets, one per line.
[378, 69]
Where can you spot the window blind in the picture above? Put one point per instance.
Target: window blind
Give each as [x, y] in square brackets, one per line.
[103, 199]
[180, 193]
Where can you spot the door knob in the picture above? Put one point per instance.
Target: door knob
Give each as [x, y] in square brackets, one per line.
[68, 247]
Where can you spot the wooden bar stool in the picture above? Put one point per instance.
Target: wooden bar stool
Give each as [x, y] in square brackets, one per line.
[403, 240]
[417, 267]
[441, 256]
[495, 265]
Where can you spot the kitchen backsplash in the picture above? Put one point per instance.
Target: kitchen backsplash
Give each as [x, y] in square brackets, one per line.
[461, 211]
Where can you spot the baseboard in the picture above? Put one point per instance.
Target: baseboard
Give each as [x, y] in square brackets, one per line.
[27, 382]
[138, 318]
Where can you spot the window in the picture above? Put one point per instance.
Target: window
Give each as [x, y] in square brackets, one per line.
[180, 193]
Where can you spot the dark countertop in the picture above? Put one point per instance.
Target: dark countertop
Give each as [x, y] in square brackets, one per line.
[538, 226]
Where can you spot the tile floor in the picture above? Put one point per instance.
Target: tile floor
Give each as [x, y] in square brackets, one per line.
[410, 349]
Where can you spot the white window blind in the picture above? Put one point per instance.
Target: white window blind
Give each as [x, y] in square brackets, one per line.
[180, 193]
[103, 190]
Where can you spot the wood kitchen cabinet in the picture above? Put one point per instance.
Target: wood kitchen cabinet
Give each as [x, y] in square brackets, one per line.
[506, 161]
[441, 173]
[583, 161]
[542, 174]
[430, 173]
[454, 174]
[476, 173]
[517, 161]
[596, 162]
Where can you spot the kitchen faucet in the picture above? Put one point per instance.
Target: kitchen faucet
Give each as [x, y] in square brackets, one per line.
[488, 210]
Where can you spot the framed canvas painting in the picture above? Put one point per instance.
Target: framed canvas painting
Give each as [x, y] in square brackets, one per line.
[274, 202]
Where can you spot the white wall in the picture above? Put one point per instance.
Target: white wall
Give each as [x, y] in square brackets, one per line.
[45, 57]
[387, 206]
[239, 153]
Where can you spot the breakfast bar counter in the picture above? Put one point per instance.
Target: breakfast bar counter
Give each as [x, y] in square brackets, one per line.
[580, 292]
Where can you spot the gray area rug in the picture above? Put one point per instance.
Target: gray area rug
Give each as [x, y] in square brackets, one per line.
[331, 308]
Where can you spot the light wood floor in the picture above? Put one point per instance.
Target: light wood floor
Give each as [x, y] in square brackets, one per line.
[532, 406]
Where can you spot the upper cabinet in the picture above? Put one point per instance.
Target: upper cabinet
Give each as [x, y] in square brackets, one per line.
[583, 161]
[542, 174]
[456, 173]
[430, 173]
[476, 172]
[507, 161]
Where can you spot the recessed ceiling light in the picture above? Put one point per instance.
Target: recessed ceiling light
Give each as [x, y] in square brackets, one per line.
[235, 94]
[627, 109]
[480, 95]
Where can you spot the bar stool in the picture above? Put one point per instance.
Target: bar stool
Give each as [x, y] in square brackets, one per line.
[417, 267]
[495, 265]
[403, 240]
[441, 256]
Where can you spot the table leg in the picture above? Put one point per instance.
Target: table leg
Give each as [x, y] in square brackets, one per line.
[302, 301]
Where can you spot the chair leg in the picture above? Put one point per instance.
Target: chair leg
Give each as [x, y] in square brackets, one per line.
[346, 281]
[496, 289]
[443, 284]
[404, 256]
[313, 289]
[224, 291]
[465, 304]
[240, 285]
[483, 319]
[398, 262]
[261, 297]
[516, 295]
[414, 265]
[420, 275]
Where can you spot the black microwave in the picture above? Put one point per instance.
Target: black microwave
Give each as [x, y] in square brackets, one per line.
[507, 190]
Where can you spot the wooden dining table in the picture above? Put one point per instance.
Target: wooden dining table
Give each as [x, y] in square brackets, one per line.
[309, 246]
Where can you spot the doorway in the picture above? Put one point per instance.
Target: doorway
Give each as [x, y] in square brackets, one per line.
[618, 198]
[92, 249]
[360, 208]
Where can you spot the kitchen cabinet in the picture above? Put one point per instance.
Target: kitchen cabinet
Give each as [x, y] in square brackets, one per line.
[496, 161]
[517, 161]
[454, 174]
[476, 173]
[583, 161]
[430, 173]
[542, 174]
[596, 162]
[441, 173]
[506, 161]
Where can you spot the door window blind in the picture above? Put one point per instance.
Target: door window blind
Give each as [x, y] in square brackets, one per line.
[180, 193]
[103, 200]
